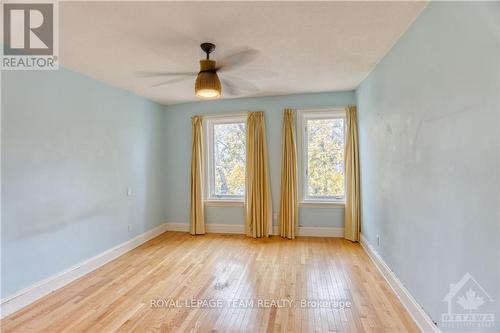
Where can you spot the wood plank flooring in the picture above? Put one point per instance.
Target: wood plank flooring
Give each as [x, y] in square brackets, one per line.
[254, 285]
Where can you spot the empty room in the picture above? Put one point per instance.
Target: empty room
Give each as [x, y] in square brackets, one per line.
[302, 166]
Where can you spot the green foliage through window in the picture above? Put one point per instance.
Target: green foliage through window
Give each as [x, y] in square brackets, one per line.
[325, 157]
[229, 159]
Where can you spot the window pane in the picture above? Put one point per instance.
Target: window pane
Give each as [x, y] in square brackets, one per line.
[325, 158]
[229, 159]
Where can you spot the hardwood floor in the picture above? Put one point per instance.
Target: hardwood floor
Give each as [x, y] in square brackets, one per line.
[134, 292]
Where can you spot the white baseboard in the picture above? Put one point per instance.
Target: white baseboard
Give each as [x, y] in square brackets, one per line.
[174, 226]
[422, 319]
[29, 295]
[240, 229]
[320, 231]
[210, 228]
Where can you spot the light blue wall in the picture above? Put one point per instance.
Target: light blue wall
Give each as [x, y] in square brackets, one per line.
[178, 131]
[70, 148]
[429, 140]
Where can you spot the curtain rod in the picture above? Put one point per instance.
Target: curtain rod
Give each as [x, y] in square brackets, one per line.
[244, 113]
[320, 107]
[224, 114]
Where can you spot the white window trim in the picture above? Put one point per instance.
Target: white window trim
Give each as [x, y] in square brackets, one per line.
[224, 203]
[208, 121]
[302, 116]
[322, 204]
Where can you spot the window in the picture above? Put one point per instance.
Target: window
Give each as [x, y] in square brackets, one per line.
[322, 136]
[226, 156]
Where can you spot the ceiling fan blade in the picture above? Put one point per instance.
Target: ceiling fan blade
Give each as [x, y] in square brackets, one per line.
[238, 87]
[174, 80]
[230, 88]
[157, 74]
[237, 59]
[242, 84]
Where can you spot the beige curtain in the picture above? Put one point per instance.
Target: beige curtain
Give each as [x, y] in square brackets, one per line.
[288, 200]
[258, 204]
[196, 218]
[352, 200]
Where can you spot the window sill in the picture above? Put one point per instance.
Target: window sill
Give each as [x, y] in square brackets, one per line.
[224, 203]
[321, 204]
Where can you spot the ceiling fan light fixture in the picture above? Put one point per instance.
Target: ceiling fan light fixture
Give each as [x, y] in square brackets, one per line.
[208, 93]
[207, 83]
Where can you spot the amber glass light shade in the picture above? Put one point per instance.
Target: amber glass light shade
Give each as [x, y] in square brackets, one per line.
[207, 83]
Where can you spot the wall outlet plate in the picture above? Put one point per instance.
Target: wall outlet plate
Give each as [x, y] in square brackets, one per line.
[130, 227]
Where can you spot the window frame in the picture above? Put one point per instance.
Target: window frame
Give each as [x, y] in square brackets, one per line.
[211, 199]
[302, 117]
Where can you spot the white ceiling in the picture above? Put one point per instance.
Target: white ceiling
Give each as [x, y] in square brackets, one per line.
[303, 46]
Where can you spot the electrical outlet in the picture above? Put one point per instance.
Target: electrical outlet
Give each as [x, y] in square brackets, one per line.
[129, 191]
[130, 228]
[378, 240]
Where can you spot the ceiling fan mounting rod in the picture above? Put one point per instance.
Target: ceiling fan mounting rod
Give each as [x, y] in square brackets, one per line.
[207, 48]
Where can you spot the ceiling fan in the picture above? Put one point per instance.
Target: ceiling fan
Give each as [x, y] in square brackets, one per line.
[207, 83]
